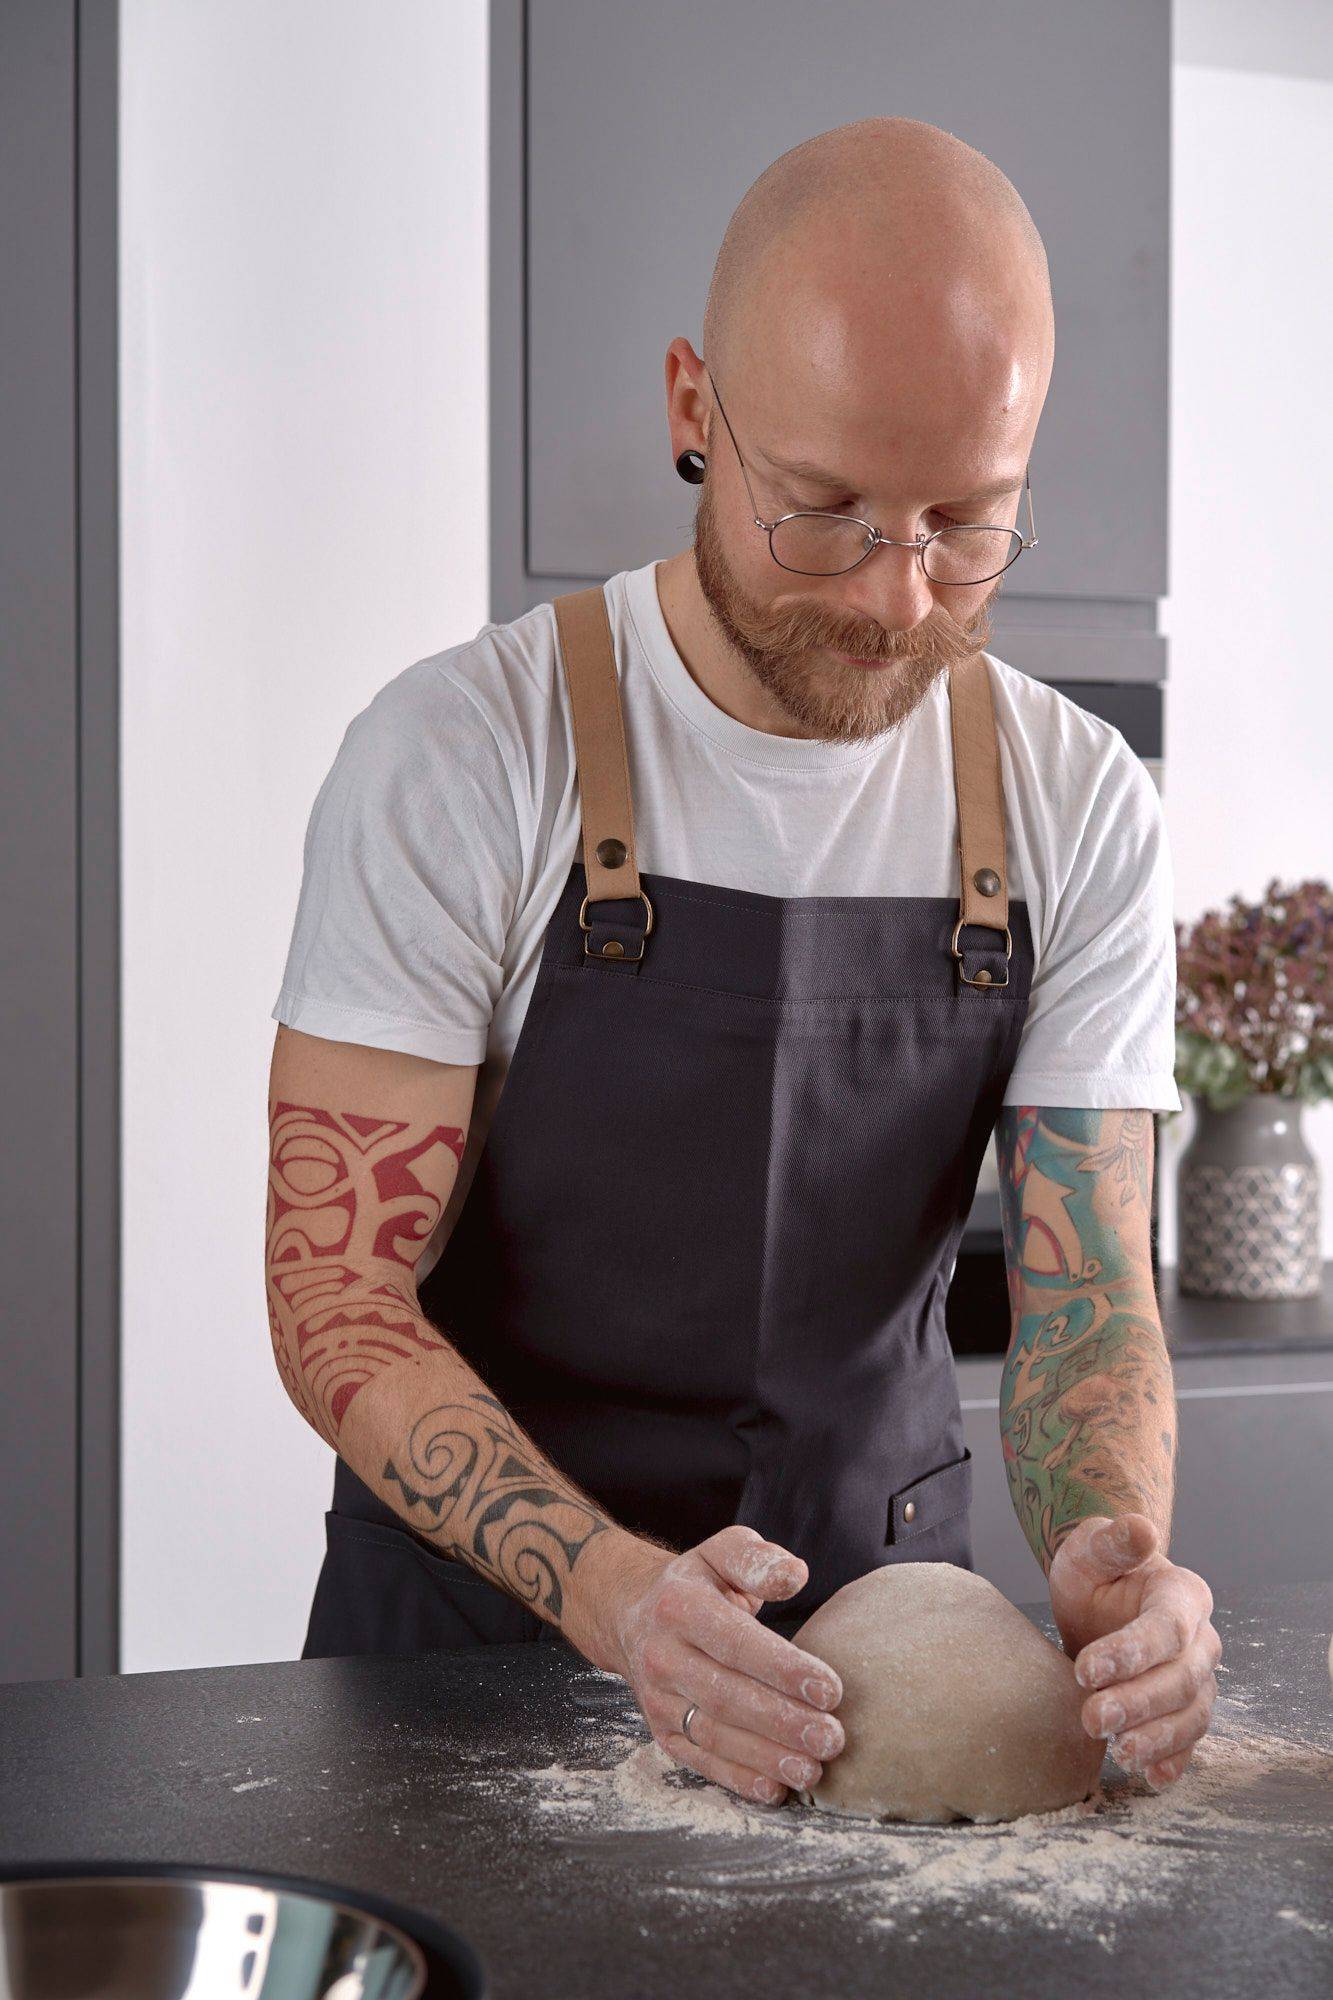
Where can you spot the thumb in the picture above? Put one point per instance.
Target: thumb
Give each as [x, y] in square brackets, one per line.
[1101, 1548]
[755, 1567]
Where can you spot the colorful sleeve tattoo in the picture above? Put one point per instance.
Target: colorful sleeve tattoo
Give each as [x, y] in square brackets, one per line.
[1087, 1403]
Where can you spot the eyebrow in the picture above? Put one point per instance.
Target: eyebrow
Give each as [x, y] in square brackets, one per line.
[801, 468]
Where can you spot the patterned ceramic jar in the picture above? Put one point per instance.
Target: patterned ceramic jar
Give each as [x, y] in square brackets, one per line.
[1248, 1203]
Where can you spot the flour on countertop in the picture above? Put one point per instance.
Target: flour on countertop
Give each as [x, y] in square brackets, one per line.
[1122, 1850]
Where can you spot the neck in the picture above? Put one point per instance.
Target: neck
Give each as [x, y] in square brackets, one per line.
[716, 667]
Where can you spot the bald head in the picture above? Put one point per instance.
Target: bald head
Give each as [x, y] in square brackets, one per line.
[879, 334]
[883, 265]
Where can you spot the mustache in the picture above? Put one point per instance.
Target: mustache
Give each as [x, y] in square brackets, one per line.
[798, 632]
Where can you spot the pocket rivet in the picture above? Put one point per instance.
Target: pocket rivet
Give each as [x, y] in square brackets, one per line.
[909, 1511]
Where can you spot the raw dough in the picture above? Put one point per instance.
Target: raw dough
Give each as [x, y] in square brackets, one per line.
[954, 1705]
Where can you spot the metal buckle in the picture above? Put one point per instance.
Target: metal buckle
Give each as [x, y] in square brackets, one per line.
[987, 985]
[629, 958]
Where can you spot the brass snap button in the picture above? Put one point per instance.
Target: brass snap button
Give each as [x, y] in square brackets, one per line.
[987, 881]
[982, 978]
[611, 853]
[613, 948]
[909, 1511]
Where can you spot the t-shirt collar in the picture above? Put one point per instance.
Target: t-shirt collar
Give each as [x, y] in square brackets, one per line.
[678, 685]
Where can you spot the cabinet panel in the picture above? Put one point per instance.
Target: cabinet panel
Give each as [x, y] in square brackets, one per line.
[52, 1203]
[645, 126]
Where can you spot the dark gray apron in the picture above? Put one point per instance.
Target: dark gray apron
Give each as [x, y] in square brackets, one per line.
[704, 1257]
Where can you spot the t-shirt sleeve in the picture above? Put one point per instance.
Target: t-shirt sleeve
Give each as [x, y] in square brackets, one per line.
[1100, 1029]
[412, 869]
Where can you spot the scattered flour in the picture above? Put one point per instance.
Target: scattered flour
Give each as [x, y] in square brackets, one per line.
[1122, 1850]
[1311, 1924]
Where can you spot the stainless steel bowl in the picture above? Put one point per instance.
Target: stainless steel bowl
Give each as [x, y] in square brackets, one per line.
[195, 1937]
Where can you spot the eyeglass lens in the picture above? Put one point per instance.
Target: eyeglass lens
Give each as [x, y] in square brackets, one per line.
[825, 544]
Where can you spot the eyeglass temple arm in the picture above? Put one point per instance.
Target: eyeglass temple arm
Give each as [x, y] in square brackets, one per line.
[736, 448]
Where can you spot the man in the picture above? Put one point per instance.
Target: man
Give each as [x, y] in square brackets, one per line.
[646, 1348]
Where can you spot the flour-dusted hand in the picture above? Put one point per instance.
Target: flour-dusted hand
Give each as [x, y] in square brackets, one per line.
[1138, 1629]
[681, 1629]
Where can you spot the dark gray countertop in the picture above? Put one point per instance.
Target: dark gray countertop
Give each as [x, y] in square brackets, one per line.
[1245, 1326]
[421, 1780]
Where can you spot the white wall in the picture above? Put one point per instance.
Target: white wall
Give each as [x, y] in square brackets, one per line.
[304, 495]
[303, 384]
[1249, 699]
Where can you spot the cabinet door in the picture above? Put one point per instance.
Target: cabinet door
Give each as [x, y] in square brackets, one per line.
[645, 125]
[57, 1209]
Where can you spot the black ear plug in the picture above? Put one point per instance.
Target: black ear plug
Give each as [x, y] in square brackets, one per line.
[690, 466]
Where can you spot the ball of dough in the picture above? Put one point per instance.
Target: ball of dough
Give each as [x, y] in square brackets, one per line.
[954, 1705]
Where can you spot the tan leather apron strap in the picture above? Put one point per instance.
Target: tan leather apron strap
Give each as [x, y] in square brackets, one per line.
[981, 827]
[609, 861]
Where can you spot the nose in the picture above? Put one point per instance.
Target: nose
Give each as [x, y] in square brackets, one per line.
[890, 587]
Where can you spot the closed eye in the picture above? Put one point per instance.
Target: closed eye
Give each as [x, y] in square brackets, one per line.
[850, 504]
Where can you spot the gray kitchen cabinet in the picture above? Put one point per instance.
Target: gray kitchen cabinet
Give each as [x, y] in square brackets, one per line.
[1254, 1478]
[623, 137]
[60, 1180]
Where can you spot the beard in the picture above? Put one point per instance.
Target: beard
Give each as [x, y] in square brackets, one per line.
[826, 697]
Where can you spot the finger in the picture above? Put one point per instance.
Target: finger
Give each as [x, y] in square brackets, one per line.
[1165, 1773]
[742, 1644]
[1155, 1741]
[736, 1701]
[1160, 1691]
[1160, 1634]
[749, 1784]
[749, 1751]
[1177, 1604]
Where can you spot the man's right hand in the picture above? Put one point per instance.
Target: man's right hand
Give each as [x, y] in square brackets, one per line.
[681, 1628]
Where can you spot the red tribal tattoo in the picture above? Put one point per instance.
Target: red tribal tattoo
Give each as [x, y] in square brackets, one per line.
[348, 1220]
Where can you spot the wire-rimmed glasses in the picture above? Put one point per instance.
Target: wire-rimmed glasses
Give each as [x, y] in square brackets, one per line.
[817, 542]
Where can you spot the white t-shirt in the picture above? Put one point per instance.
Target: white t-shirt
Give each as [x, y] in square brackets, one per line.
[443, 834]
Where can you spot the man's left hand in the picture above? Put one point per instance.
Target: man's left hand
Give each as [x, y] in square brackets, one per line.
[1138, 1629]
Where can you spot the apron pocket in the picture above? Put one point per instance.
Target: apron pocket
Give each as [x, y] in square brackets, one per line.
[928, 1501]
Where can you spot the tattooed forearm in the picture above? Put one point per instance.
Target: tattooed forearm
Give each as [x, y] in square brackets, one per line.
[348, 1217]
[1087, 1404]
[470, 1480]
[352, 1204]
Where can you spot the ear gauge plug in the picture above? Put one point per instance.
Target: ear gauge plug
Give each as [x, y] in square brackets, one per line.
[690, 466]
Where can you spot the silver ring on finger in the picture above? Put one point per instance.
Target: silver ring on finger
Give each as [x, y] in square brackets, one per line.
[690, 1714]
